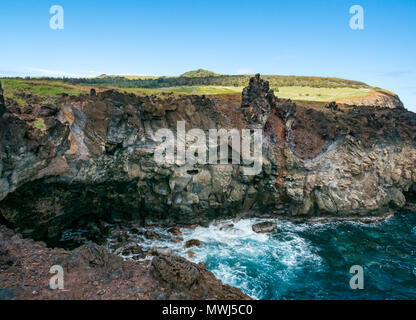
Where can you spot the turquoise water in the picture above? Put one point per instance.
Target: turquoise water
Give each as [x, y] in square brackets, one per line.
[313, 261]
[310, 260]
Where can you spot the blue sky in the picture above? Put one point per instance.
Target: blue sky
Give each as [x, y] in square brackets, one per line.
[151, 37]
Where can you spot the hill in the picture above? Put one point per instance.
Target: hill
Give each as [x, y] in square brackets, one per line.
[200, 73]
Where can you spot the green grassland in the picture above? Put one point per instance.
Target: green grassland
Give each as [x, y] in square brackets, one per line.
[187, 90]
[294, 93]
[322, 94]
[196, 82]
[14, 88]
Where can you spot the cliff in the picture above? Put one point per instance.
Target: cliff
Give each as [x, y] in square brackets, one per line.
[89, 160]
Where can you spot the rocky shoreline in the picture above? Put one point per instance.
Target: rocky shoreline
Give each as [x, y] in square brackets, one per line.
[91, 272]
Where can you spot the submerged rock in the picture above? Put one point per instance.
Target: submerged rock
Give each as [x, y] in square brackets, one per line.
[264, 227]
[152, 235]
[175, 230]
[192, 243]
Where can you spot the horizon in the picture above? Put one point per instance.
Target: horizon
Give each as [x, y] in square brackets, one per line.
[163, 38]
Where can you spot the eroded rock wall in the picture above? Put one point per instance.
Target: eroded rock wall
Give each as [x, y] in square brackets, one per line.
[90, 159]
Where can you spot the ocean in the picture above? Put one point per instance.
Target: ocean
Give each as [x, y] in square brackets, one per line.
[307, 260]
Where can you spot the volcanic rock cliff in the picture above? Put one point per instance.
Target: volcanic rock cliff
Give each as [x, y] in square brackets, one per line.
[87, 161]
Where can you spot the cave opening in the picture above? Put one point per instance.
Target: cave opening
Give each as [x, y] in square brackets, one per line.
[410, 195]
[66, 214]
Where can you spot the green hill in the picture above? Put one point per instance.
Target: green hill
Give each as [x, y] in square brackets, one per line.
[207, 78]
[200, 73]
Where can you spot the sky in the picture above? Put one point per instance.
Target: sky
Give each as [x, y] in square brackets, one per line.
[155, 37]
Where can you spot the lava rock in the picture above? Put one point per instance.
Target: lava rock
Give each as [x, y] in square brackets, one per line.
[131, 248]
[161, 251]
[264, 227]
[188, 279]
[97, 256]
[152, 235]
[192, 243]
[175, 230]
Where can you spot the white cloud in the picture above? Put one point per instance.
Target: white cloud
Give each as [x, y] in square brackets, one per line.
[58, 73]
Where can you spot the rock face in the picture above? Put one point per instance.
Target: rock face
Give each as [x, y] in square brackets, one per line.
[84, 161]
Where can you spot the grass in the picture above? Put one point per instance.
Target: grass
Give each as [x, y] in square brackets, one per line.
[39, 124]
[185, 90]
[41, 88]
[322, 94]
[45, 89]
[294, 93]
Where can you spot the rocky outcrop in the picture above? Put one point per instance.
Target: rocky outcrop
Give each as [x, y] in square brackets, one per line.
[190, 279]
[257, 101]
[91, 272]
[83, 162]
[380, 98]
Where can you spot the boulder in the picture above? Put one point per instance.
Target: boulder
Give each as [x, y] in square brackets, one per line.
[192, 243]
[264, 227]
[175, 230]
[161, 251]
[131, 248]
[151, 235]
